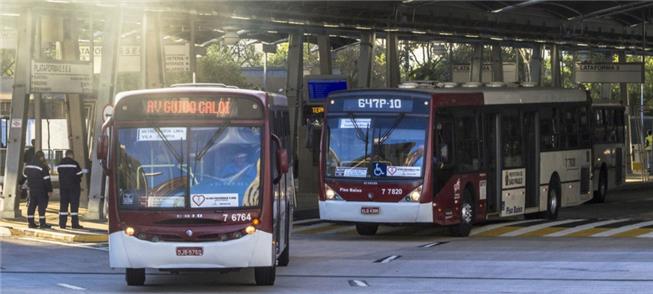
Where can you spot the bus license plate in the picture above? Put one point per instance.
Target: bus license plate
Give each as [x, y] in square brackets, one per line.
[190, 251]
[369, 210]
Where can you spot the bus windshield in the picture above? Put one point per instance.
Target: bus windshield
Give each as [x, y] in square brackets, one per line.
[188, 167]
[376, 146]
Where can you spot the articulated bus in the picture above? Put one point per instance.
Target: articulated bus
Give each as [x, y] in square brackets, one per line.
[608, 148]
[198, 179]
[453, 157]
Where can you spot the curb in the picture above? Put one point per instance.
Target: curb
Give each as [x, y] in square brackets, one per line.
[5, 232]
[56, 235]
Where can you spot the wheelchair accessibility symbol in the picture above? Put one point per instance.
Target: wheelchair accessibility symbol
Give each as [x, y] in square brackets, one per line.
[379, 169]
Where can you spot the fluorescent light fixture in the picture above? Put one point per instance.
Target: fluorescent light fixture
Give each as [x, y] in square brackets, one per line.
[58, 1]
[363, 28]
[279, 21]
[296, 23]
[496, 38]
[333, 36]
[419, 32]
[445, 34]
[9, 14]
[582, 44]
[497, 10]
[327, 25]
[620, 47]
[273, 32]
[519, 39]
[540, 41]
[602, 46]
[391, 30]
[240, 17]
[471, 36]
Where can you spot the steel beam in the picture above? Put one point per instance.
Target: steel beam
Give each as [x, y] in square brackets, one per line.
[392, 77]
[76, 121]
[151, 52]
[324, 45]
[556, 71]
[112, 27]
[18, 120]
[536, 65]
[497, 63]
[366, 59]
[476, 72]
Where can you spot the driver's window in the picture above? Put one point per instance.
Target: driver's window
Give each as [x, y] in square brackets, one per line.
[443, 142]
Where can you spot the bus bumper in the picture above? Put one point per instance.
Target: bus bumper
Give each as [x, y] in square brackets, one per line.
[389, 212]
[249, 251]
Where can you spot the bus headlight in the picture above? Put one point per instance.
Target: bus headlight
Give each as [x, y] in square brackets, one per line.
[250, 230]
[414, 195]
[129, 231]
[330, 193]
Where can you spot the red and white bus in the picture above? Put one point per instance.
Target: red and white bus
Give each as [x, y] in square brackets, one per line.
[198, 179]
[608, 148]
[453, 157]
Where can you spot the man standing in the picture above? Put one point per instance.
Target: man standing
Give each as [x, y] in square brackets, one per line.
[70, 176]
[37, 174]
[649, 150]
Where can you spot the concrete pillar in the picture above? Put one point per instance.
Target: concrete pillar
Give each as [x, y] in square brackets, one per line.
[76, 121]
[476, 72]
[536, 65]
[151, 53]
[366, 59]
[497, 63]
[392, 77]
[556, 71]
[18, 120]
[113, 24]
[324, 47]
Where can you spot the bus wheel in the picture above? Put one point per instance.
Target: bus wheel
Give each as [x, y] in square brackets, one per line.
[264, 276]
[367, 229]
[466, 217]
[135, 276]
[601, 195]
[553, 201]
[284, 258]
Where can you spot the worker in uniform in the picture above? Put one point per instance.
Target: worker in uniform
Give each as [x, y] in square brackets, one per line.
[649, 150]
[70, 177]
[37, 174]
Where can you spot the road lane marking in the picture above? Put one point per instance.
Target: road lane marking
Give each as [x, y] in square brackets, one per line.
[387, 259]
[358, 283]
[568, 231]
[484, 229]
[104, 246]
[429, 245]
[528, 229]
[71, 287]
[622, 231]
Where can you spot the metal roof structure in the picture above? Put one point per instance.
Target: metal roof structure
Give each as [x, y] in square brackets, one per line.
[603, 25]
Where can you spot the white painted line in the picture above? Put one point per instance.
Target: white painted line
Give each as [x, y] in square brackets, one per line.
[388, 259]
[358, 283]
[529, 229]
[623, 229]
[484, 229]
[71, 287]
[78, 245]
[315, 226]
[584, 227]
[429, 245]
[299, 222]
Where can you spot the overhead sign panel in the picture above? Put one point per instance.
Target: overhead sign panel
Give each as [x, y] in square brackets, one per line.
[61, 77]
[610, 72]
[8, 39]
[461, 73]
[177, 58]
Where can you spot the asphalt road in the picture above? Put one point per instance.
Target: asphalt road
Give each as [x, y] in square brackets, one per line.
[395, 261]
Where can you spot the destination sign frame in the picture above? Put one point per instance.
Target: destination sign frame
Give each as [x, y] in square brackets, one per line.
[196, 106]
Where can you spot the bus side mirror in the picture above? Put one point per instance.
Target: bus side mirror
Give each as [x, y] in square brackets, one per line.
[282, 160]
[103, 147]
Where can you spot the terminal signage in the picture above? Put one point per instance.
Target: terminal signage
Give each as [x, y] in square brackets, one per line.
[632, 72]
[62, 77]
[462, 73]
[8, 39]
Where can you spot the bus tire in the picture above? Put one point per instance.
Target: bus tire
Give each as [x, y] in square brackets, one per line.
[135, 276]
[553, 200]
[601, 195]
[463, 228]
[264, 276]
[284, 258]
[367, 229]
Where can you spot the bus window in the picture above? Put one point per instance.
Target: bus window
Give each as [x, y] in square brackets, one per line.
[511, 140]
[584, 128]
[466, 144]
[570, 140]
[549, 130]
[444, 140]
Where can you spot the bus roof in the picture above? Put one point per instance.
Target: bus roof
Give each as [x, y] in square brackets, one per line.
[275, 98]
[493, 96]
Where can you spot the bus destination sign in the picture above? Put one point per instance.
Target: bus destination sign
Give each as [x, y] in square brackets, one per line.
[378, 105]
[196, 107]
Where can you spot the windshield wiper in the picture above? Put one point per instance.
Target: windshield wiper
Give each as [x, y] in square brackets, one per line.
[211, 142]
[359, 132]
[168, 145]
[387, 134]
